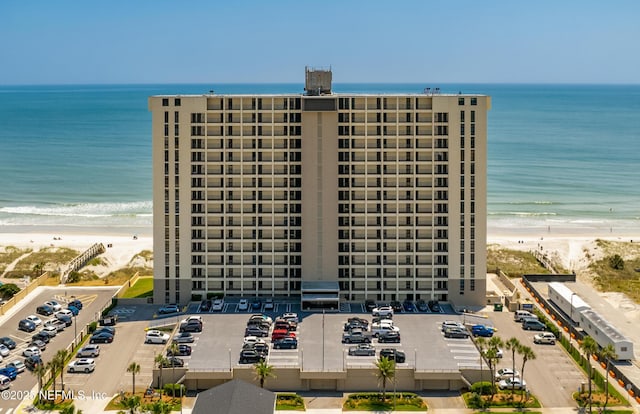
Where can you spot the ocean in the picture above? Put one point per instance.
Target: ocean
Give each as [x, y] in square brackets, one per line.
[561, 157]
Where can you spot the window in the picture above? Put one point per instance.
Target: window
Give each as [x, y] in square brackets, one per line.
[474, 101]
[177, 102]
[460, 101]
[165, 101]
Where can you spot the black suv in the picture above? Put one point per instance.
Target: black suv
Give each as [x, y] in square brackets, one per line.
[397, 306]
[32, 361]
[369, 305]
[8, 342]
[250, 356]
[356, 323]
[389, 337]
[45, 310]
[394, 354]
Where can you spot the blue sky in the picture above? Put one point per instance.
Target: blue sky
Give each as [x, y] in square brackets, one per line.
[198, 41]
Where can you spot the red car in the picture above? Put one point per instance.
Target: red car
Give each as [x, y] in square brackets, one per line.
[281, 333]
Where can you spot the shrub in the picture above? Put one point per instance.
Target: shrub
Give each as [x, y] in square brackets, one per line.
[93, 326]
[9, 290]
[475, 400]
[616, 262]
[215, 295]
[483, 387]
[196, 297]
[168, 389]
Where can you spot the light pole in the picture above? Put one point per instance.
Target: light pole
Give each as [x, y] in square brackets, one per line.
[75, 331]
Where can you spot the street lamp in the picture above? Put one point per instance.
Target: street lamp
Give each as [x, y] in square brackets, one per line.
[75, 331]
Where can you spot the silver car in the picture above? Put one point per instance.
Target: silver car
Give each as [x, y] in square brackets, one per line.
[91, 351]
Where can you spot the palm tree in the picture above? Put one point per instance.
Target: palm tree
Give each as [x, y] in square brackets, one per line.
[161, 361]
[589, 346]
[481, 343]
[608, 353]
[159, 407]
[38, 268]
[263, 371]
[527, 355]
[52, 366]
[494, 344]
[134, 369]
[70, 410]
[39, 370]
[513, 345]
[61, 358]
[386, 372]
[130, 403]
[174, 350]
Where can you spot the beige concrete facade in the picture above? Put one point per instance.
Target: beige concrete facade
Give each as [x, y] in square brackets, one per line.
[384, 194]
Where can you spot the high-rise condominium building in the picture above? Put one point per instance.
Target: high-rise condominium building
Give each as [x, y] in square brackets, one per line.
[320, 195]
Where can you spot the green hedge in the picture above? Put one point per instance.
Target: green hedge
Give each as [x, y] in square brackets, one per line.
[168, 389]
[483, 387]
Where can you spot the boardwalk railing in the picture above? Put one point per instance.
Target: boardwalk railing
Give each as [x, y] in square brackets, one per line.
[81, 260]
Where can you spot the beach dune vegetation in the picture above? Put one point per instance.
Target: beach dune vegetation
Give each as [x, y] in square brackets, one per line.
[513, 263]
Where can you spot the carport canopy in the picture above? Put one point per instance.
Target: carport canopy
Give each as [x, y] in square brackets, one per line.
[320, 295]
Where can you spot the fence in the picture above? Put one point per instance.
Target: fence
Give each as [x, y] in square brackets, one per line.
[563, 322]
[39, 281]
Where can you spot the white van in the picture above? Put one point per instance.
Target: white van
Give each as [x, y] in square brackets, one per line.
[523, 314]
[5, 383]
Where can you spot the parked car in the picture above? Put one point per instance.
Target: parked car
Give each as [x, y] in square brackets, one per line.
[9, 372]
[250, 356]
[181, 350]
[50, 330]
[34, 319]
[356, 323]
[408, 306]
[515, 383]
[205, 305]
[386, 311]
[281, 333]
[65, 312]
[369, 305]
[26, 325]
[32, 361]
[101, 338]
[31, 351]
[261, 348]
[253, 340]
[89, 351]
[422, 305]
[285, 343]
[243, 305]
[396, 306]
[434, 306]
[45, 310]
[5, 383]
[56, 323]
[64, 318]
[451, 324]
[217, 305]
[110, 320]
[76, 303]
[284, 324]
[362, 350]
[167, 309]
[18, 365]
[504, 373]
[41, 345]
[171, 362]
[392, 353]
[191, 326]
[193, 318]
[265, 318]
[544, 338]
[356, 336]
[75, 311]
[382, 328]
[8, 342]
[519, 315]
[156, 337]
[533, 325]
[256, 331]
[389, 337]
[108, 329]
[85, 365]
[42, 337]
[256, 304]
[4, 351]
[268, 304]
[454, 332]
[53, 305]
[482, 330]
[290, 316]
[183, 338]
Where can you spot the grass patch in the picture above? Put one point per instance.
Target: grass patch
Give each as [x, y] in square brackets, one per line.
[289, 401]
[626, 279]
[372, 401]
[143, 288]
[10, 253]
[52, 258]
[145, 399]
[502, 399]
[117, 278]
[514, 263]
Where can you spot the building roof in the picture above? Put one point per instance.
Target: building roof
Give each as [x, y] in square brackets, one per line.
[235, 397]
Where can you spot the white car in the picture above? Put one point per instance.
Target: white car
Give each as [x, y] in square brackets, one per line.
[383, 328]
[34, 319]
[544, 338]
[217, 306]
[452, 324]
[18, 365]
[384, 311]
[50, 330]
[89, 351]
[54, 305]
[516, 383]
[192, 318]
[65, 312]
[253, 340]
[4, 351]
[31, 351]
[85, 365]
[243, 305]
[504, 373]
[156, 337]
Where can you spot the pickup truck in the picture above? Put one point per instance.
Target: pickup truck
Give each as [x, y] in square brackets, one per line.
[356, 336]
